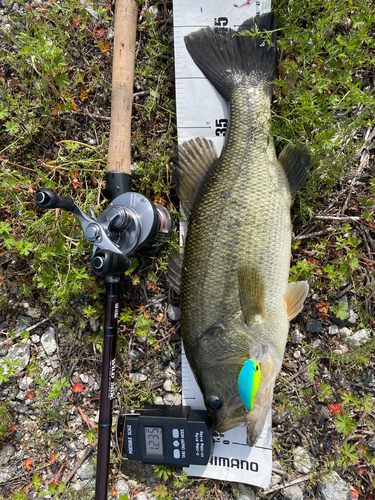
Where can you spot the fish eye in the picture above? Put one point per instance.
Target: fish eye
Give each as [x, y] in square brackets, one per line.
[257, 368]
[214, 402]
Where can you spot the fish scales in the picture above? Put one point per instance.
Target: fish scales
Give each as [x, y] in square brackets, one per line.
[235, 299]
[241, 216]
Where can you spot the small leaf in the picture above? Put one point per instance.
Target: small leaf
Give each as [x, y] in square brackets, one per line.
[28, 463]
[84, 95]
[104, 46]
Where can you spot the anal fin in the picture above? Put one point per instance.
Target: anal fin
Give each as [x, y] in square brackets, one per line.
[296, 294]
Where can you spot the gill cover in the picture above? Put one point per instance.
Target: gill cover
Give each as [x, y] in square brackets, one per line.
[249, 382]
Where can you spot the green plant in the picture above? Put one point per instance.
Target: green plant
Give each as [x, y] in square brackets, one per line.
[348, 455]
[344, 423]
[161, 491]
[8, 368]
[164, 471]
[5, 420]
[341, 310]
[326, 52]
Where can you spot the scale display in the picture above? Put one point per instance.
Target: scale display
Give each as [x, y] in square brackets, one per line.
[154, 441]
[165, 435]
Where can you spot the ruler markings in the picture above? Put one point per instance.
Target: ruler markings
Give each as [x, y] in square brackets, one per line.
[205, 108]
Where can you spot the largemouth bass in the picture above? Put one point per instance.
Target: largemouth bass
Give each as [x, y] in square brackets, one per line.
[236, 303]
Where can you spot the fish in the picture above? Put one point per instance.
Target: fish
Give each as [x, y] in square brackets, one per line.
[236, 302]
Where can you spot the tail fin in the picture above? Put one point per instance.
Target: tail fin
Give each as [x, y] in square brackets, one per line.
[230, 60]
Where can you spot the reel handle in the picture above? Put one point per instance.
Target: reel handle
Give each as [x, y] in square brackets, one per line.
[45, 198]
[107, 263]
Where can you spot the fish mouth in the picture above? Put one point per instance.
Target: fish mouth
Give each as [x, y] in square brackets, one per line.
[254, 419]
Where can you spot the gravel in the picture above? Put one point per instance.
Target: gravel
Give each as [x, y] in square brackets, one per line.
[335, 488]
[293, 492]
[313, 326]
[48, 341]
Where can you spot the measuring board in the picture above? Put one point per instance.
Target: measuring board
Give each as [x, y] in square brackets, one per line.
[202, 112]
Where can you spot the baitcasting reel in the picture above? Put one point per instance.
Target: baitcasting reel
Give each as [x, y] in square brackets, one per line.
[129, 224]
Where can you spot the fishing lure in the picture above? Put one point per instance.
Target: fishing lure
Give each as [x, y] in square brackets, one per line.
[249, 382]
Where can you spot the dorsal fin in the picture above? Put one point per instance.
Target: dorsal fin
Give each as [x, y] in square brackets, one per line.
[175, 261]
[296, 294]
[296, 162]
[194, 159]
[251, 287]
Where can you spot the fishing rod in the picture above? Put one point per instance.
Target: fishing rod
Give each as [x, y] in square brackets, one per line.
[130, 223]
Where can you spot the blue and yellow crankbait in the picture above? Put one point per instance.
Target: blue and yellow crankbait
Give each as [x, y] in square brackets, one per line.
[249, 382]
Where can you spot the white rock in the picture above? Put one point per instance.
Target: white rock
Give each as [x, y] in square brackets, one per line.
[303, 460]
[275, 479]
[89, 9]
[21, 396]
[85, 378]
[23, 386]
[333, 330]
[77, 485]
[34, 312]
[293, 492]
[35, 338]
[141, 496]
[87, 470]
[138, 377]
[46, 371]
[159, 400]
[154, 11]
[352, 317]
[122, 488]
[296, 336]
[345, 332]
[20, 351]
[6, 473]
[172, 399]
[167, 386]
[49, 341]
[359, 337]
[6, 453]
[243, 491]
[110, 33]
[173, 312]
[334, 488]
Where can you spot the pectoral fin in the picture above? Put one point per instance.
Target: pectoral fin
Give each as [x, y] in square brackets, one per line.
[296, 294]
[251, 286]
[258, 350]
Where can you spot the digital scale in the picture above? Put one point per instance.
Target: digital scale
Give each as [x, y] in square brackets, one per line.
[158, 434]
[166, 435]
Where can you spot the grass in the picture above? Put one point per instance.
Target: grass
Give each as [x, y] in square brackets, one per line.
[56, 69]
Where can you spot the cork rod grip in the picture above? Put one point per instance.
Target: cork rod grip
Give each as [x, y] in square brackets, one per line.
[119, 151]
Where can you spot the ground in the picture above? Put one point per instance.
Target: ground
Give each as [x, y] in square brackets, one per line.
[54, 117]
